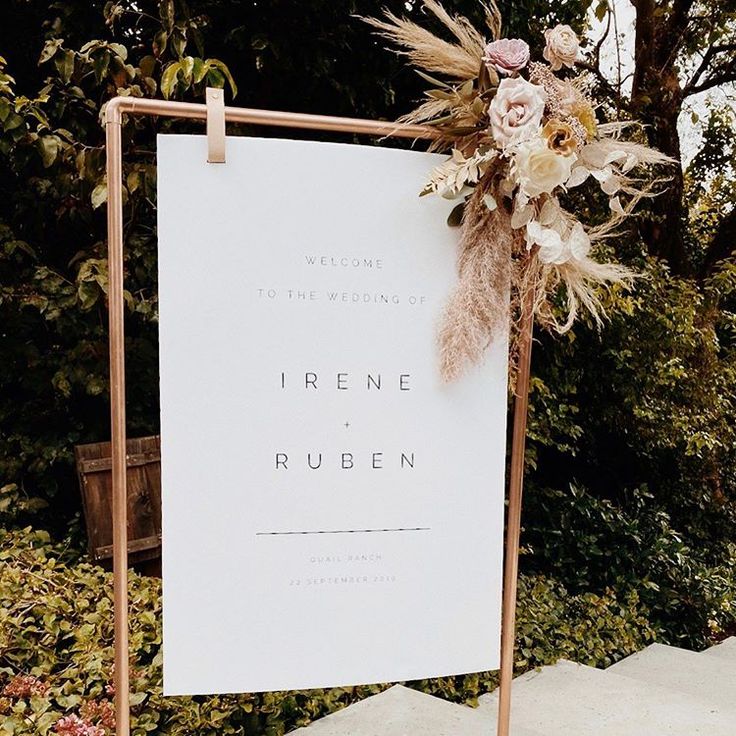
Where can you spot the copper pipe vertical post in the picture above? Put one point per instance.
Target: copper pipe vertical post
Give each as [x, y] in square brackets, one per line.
[113, 134]
[513, 523]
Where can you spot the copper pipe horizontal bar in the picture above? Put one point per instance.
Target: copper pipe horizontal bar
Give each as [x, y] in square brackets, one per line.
[119, 106]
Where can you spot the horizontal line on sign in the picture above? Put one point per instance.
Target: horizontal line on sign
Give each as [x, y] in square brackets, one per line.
[345, 531]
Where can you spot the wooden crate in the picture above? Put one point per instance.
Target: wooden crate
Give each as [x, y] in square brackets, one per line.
[94, 466]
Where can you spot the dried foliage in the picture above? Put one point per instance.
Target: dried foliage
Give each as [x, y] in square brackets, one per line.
[458, 59]
[478, 309]
[520, 144]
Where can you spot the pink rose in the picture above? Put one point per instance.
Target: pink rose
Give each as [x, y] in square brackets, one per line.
[507, 55]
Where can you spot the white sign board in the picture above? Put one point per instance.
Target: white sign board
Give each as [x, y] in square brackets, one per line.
[332, 513]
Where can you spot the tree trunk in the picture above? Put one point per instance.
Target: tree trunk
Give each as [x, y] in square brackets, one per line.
[657, 100]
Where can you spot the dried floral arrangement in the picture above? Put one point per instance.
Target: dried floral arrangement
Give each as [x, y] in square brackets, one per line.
[520, 133]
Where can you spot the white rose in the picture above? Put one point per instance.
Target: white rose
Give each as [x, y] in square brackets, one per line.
[516, 110]
[562, 47]
[538, 169]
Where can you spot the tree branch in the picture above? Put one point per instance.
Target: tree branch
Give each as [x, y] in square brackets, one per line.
[704, 62]
[708, 56]
[722, 75]
[601, 40]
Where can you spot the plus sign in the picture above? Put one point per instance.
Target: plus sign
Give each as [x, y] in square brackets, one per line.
[347, 424]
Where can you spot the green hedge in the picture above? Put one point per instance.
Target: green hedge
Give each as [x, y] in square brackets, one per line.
[56, 651]
[689, 589]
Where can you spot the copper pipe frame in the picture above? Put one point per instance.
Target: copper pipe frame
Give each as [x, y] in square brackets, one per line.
[114, 111]
[513, 519]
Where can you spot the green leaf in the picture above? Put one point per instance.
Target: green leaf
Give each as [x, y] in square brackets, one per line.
[64, 63]
[215, 78]
[199, 71]
[166, 12]
[120, 50]
[90, 45]
[49, 146]
[68, 701]
[601, 10]
[187, 66]
[61, 383]
[133, 181]
[217, 64]
[49, 50]
[178, 41]
[12, 245]
[99, 195]
[46, 721]
[95, 386]
[147, 65]
[169, 78]
[100, 64]
[160, 41]
[137, 698]
[151, 86]
[455, 217]
[13, 121]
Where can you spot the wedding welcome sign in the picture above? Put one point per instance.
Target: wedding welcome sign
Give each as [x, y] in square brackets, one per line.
[332, 511]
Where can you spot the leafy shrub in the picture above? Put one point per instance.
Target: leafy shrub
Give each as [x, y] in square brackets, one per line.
[631, 478]
[596, 630]
[56, 651]
[591, 542]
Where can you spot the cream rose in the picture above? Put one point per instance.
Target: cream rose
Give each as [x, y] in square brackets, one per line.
[538, 169]
[562, 47]
[516, 110]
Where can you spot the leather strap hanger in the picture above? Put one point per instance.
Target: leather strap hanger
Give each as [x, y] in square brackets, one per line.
[215, 125]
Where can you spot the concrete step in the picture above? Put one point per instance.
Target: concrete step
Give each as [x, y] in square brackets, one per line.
[710, 679]
[725, 650]
[401, 711]
[568, 699]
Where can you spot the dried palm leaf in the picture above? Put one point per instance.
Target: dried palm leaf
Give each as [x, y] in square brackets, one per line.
[459, 59]
[478, 309]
